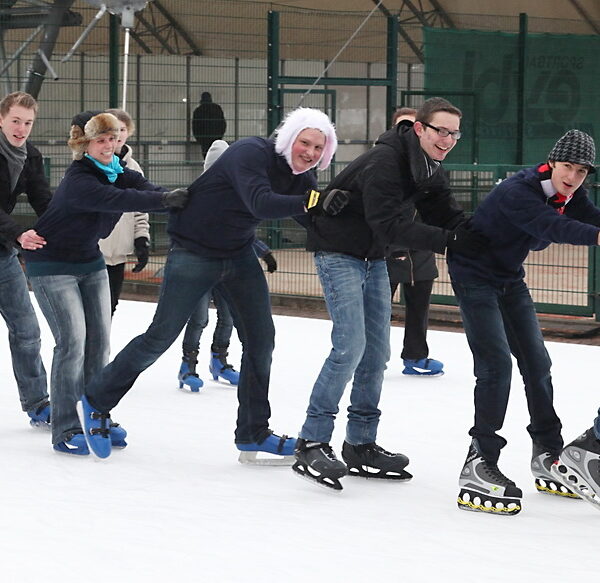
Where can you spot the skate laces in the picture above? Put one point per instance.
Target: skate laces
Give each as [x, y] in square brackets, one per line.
[493, 472]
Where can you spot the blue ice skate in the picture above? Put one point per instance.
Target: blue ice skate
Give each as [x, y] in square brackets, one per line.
[41, 416]
[117, 436]
[96, 428]
[219, 367]
[280, 446]
[189, 378]
[74, 444]
[425, 367]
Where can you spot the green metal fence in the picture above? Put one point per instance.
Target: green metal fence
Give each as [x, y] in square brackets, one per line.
[260, 59]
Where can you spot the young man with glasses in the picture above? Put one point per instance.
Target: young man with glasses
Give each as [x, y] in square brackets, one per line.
[401, 174]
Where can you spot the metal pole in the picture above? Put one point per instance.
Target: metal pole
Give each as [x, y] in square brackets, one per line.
[521, 88]
[125, 70]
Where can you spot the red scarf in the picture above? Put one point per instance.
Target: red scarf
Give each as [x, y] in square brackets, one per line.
[556, 200]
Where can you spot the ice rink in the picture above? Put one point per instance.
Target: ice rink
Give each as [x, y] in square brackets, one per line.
[176, 505]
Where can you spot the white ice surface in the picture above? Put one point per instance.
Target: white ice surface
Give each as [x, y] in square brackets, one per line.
[176, 506]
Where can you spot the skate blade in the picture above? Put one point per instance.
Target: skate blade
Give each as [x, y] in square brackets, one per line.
[329, 484]
[477, 502]
[369, 472]
[251, 458]
[554, 488]
[40, 425]
[576, 481]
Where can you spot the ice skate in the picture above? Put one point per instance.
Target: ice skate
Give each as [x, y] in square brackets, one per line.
[578, 467]
[75, 444]
[372, 461]
[187, 376]
[484, 488]
[40, 417]
[425, 367]
[545, 481]
[96, 428]
[219, 367]
[117, 436]
[316, 462]
[279, 448]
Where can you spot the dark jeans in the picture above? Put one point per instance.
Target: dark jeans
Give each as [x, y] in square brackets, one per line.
[199, 320]
[416, 319]
[116, 275]
[188, 277]
[498, 321]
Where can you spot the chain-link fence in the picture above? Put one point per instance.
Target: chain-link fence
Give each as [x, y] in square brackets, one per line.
[506, 75]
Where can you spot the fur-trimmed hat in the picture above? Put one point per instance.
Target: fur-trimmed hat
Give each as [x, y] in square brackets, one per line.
[575, 147]
[301, 119]
[86, 126]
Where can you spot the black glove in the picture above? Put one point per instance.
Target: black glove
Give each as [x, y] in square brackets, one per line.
[466, 242]
[176, 199]
[141, 247]
[330, 202]
[270, 261]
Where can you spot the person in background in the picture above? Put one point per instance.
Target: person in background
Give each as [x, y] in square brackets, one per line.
[544, 204]
[208, 122]
[218, 366]
[68, 275]
[132, 233]
[21, 171]
[415, 269]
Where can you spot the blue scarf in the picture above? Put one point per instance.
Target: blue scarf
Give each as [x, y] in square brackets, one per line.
[112, 170]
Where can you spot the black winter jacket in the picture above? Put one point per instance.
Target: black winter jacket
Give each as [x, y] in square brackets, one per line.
[387, 183]
[33, 183]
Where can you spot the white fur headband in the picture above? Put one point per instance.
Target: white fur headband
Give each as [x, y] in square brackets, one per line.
[301, 119]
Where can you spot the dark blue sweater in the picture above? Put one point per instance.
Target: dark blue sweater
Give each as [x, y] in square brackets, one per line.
[517, 218]
[249, 182]
[85, 208]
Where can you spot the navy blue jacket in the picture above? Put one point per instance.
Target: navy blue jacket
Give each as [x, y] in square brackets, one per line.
[249, 182]
[517, 218]
[85, 208]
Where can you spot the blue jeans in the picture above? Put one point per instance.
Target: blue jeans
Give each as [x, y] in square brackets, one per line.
[23, 332]
[77, 308]
[199, 320]
[500, 320]
[187, 277]
[357, 294]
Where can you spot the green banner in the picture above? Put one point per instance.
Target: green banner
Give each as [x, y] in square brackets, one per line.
[478, 71]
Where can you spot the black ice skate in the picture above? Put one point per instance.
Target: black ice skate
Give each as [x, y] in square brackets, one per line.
[545, 481]
[484, 488]
[578, 467]
[371, 461]
[316, 461]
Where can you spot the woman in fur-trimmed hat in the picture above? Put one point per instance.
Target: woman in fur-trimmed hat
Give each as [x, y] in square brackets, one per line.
[254, 179]
[68, 273]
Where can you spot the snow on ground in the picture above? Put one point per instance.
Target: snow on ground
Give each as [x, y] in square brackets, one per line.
[176, 506]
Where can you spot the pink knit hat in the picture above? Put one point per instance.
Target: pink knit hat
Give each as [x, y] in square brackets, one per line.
[301, 119]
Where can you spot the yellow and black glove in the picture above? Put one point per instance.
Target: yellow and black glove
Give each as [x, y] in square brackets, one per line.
[330, 202]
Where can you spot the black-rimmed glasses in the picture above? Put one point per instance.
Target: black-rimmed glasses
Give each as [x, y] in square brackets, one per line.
[443, 132]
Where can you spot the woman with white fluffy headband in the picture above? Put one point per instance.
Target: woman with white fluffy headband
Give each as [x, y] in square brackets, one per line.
[68, 274]
[254, 179]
